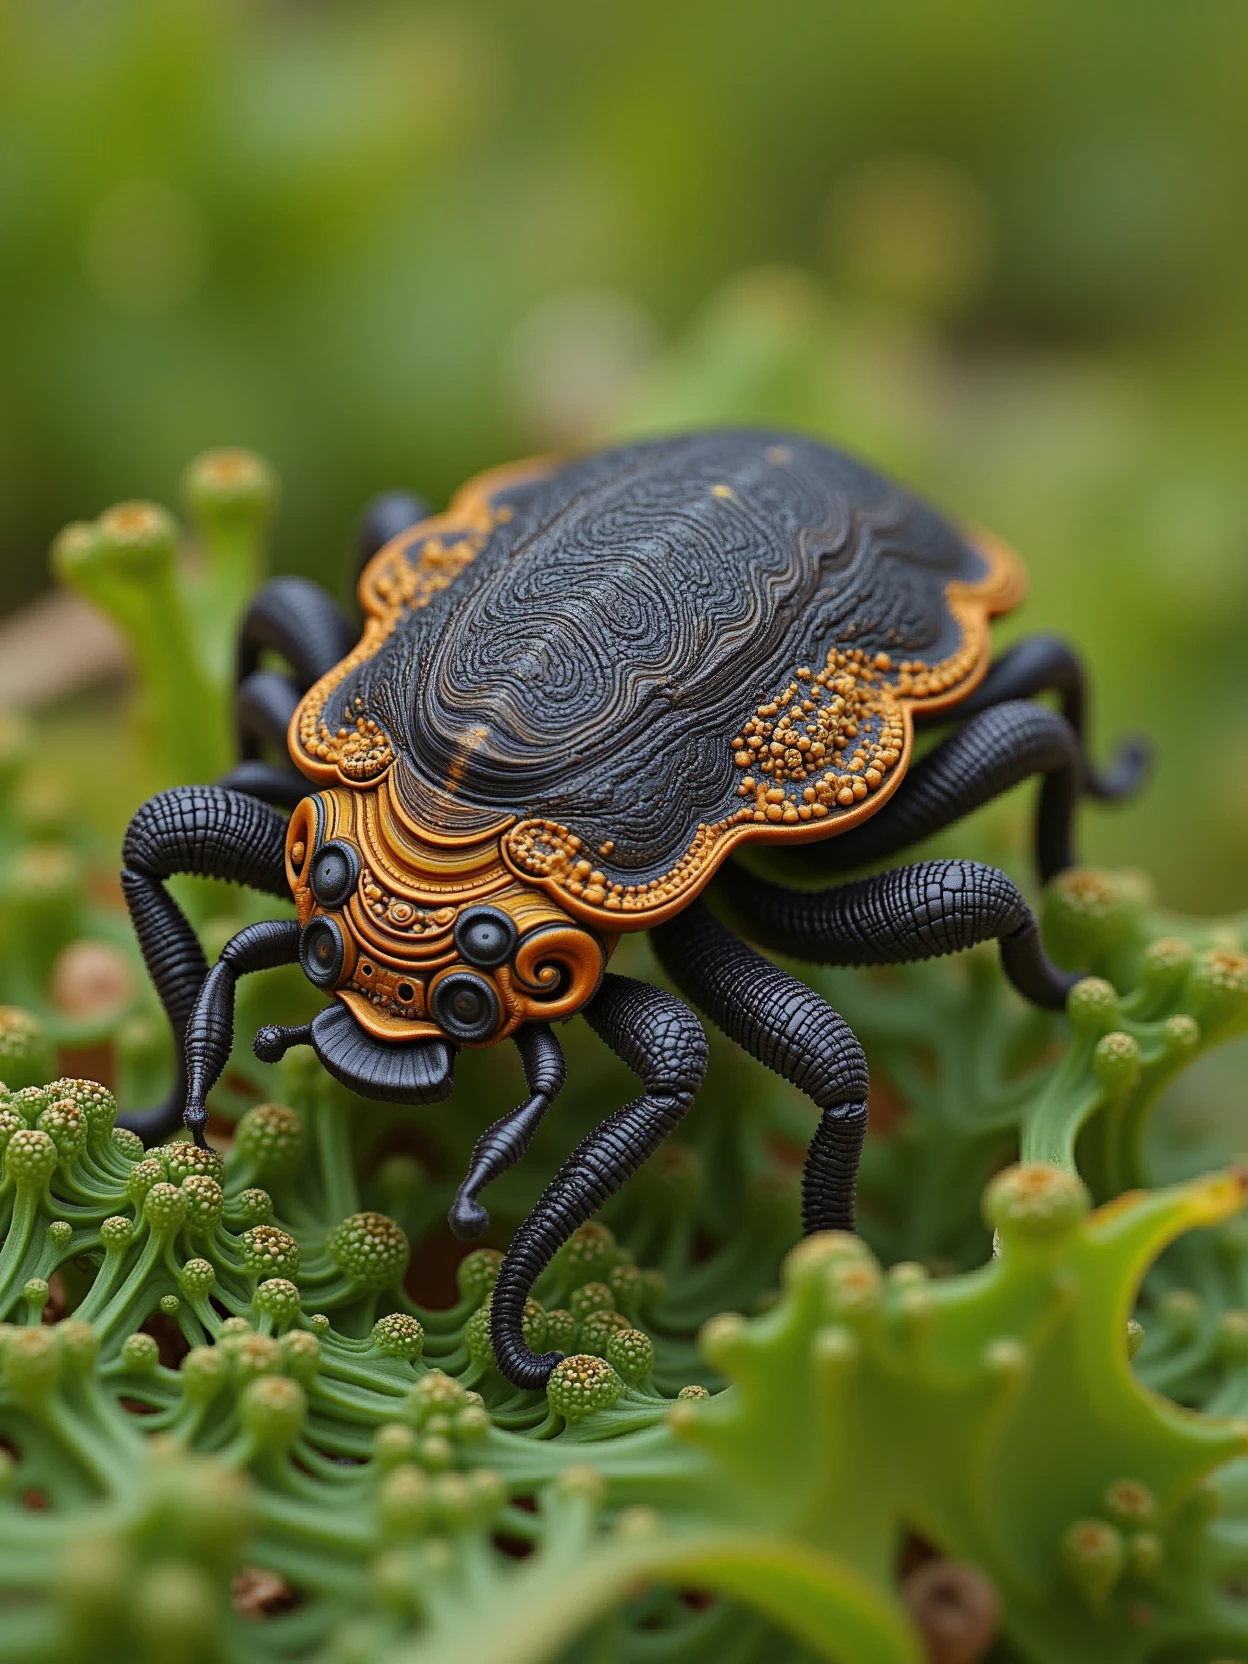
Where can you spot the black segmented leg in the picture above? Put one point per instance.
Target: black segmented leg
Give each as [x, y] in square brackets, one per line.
[298, 619]
[385, 517]
[998, 749]
[795, 1032]
[919, 912]
[1046, 664]
[662, 1042]
[501, 1145]
[214, 833]
[210, 1032]
[263, 707]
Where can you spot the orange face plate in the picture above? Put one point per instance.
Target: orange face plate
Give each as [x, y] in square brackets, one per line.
[398, 923]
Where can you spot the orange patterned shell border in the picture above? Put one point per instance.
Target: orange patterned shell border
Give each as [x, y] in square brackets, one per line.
[391, 586]
[785, 799]
[793, 800]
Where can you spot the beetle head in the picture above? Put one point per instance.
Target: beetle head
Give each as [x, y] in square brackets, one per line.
[423, 937]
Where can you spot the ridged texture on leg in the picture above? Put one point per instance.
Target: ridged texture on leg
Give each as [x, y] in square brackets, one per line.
[791, 1029]
[210, 1031]
[1047, 664]
[542, 1059]
[213, 833]
[830, 1173]
[170, 948]
[501, 1145]
[662, 1042]
[298, 619]
[994, 751]
[919, 912]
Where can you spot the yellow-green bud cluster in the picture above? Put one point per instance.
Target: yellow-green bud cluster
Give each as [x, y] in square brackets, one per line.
[269, 1139]
[370, 1249]
[477, 1273]
[269, 1252]
[399, 1335]
[582, 1385]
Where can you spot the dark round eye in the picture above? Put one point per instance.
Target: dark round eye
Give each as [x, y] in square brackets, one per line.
[485, 936]
[335, 869]
[321, 952]
[465, 1006]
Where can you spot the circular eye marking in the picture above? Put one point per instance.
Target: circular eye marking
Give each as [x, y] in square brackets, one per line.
[485, 936]
[465, 1006]
[335, 870]
[321, 952]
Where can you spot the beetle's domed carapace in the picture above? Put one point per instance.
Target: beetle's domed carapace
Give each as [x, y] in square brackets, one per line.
[578, 693]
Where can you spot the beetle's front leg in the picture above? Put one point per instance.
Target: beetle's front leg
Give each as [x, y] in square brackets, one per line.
[662, 1042]
[211, 833]
[500, 1146]
[210, 1031]
[795, 1032]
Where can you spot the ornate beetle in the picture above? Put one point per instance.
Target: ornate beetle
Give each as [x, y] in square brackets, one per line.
[578, 693]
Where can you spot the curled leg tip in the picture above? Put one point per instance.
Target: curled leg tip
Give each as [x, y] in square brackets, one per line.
[1129, 770]
[1032, 972]
[548, 1362]
[196, 1121]
[524, 1369]
[467, 1218]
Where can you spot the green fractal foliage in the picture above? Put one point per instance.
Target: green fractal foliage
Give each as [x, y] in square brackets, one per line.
[249, 1409]
[243, 1381]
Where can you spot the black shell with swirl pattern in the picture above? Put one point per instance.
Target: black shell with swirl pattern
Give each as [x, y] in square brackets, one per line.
[627, 613]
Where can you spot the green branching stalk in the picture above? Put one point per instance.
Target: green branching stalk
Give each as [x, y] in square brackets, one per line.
[179, 615]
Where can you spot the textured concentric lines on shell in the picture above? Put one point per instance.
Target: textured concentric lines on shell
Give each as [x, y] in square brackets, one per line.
[593, 648]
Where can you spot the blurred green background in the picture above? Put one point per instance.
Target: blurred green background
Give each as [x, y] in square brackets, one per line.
[1000, 250]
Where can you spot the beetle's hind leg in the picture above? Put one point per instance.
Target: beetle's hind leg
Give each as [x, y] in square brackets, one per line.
[212, 833]
[502, 1145]
[1047, 664]
[662, 1041]
[992, 752]
[894, 918]
[795, 1032]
